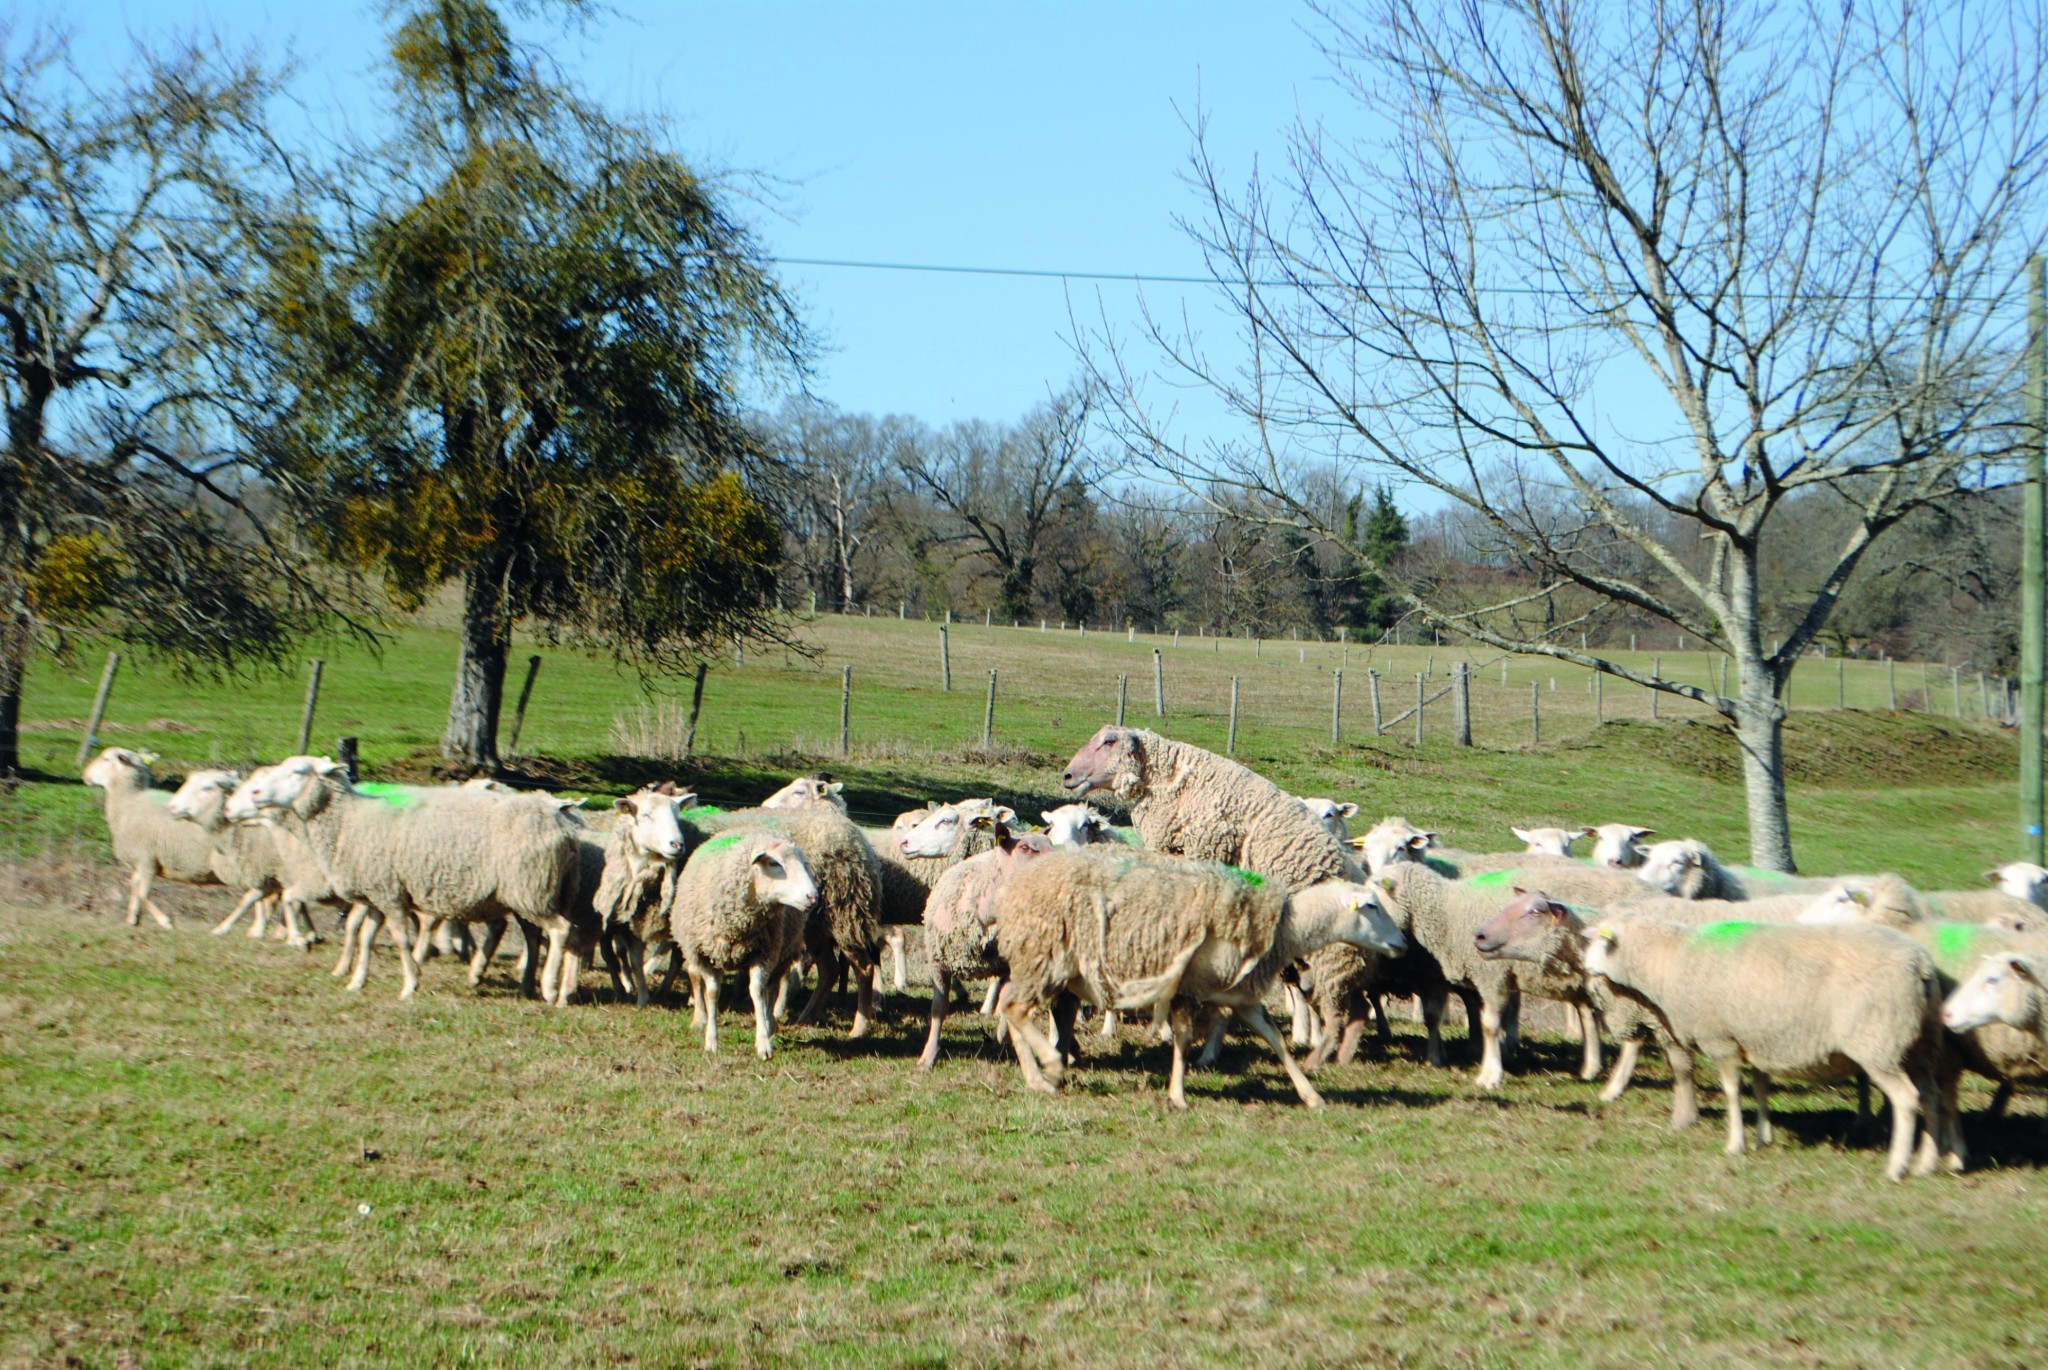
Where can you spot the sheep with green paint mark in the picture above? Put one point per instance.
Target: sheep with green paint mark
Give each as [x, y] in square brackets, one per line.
[1808, 1002]
[1138, 931]
[741, 903]
[959, 922]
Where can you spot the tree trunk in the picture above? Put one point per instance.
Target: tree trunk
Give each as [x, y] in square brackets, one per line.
[1760, 731]
[16, 644]
[471, 740]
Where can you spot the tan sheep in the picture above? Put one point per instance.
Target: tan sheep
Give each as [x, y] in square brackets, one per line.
[742, 903]
[1813, 1003]
[959, 922]
[244, 854]
[2008, 987]
[147, 840]
[1133, 931]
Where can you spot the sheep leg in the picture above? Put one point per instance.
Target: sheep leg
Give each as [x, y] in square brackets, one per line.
[1036, 1057]
[697, 1000]
[2000, 1097]
[1212, 1045]
[1574, 1031]
[942, 990]
[1347, 1045]
[372, 919]
[898, 964]
[145, 877]
[863, 1001]
[1300, 1028]
[1905, 1100]
[1064, 1007]
[298, 923]
[1731, 1092]
[480, 959]
[1433, 1004]
[710, 987]
[226, 925]
[1254, 1017]
[1179, 1025]
[1685, 1093]
[1624, 1071]
[815, 1009]
[764, 1010]
[614, 963]
[1110, 1024]
[1760, 1086]
[351, 925]
[988, 1001]
[551, 969]
[529, 958]
[1511, 1026]
[1378, 1006]
[1946, 1076]
[134, 898]
[260, 924]
[1589, 1030]
[675, 969]
[574, 950]
[791, 982]
[423, 945]
[408, 967]
[1490, 1071]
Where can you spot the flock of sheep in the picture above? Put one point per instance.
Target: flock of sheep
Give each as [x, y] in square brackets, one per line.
[1223, 895]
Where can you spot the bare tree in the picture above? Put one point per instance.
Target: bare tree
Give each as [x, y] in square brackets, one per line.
[1778, 250]
[1000, 487]
[837, 472]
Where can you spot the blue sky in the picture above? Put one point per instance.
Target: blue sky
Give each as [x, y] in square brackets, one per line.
[1041, 135]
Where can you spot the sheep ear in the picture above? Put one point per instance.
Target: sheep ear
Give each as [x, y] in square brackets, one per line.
[1006, 813]
[2023, 969]
[1347, 810]
[1045, 816]
[1421, 841]
[1002, 832]
[1992, 876]
[1646, 832]
[683, 799]
[835, 787]
[1518, 890]
[1519, 833]
[625, 806]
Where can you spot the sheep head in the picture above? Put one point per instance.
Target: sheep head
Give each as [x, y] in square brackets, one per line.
[1532, 928]
[111, 765]
[1389, 841]
[806, 790]
[1998, 991]
[1074, 825]
[2022, 880]
[1618, 845]
[781, 876]
[649, 818]
[1113, 760]
[203, 795]
[1546, 841]
[1671, 866]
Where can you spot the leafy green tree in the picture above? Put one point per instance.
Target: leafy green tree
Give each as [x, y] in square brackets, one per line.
[135, 502]
[1374, 539]
[518, 366]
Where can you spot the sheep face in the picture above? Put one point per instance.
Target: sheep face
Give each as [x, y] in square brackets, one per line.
[286, 785]
[909, 818]
[1365, 923]
[1392, 840]
[1074, 825]
[106, 769]
[987, 808]
[648, 817]
[1667, 865]
[1600, 942]
[781, 877]
[1332, 815]
[1546, 841]
[1530, 929]
[1113, 760]
[1618, 845]
[807, 789]
[937, 833]
[1996, 992]
[196, 796]
[2022, 880]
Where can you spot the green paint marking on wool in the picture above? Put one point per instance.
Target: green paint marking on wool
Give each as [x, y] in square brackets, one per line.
[390, 794]
[1952, 941]
[1441, 867]
[702, 811]
[1490, 880]
[1252, 878]
[1725, 934]
[719, 844]
[1128, 836]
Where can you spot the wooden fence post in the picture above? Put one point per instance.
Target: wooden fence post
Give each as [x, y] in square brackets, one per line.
[1420, 682]
[1158, 685]
[1122, 685]
[1230, 743]
[1461, 705]
[313, 702]
[988, 714]
[1599, 700]
[1337, 707]
[1841, 687]
[1372, 683]
[518, 713]
[1891, 684]
[99, 708]
[1955, 689]
[1656, 673]
[945, 660]
[1535, 723]
[845, 705]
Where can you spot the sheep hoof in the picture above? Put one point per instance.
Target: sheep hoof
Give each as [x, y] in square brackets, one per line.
[1610, 1094]
[860, 1028]
[764, 1052]
[1044, 1087]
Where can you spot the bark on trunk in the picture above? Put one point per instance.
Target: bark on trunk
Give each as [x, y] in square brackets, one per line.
[1760, 730]
[472, 737]
[14, 652]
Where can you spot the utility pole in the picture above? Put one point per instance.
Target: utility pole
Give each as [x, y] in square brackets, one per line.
[2031, 602]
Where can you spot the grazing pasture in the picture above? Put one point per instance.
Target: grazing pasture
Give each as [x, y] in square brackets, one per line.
[215, 1155]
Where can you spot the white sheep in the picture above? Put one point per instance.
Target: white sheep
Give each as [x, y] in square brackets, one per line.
[2022, 880]
[1618, 845]
[1389, 840]
[959, 922]
[741, 904]
[808, 789]
[1332, 814]
[1134, 931]
[455, 854]
[244, 854]
[635, 871]
[1803, 1001]
[1689, 869]
[1076, 825]
[147, 839]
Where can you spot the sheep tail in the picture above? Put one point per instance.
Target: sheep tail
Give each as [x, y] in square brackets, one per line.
[1152, 991]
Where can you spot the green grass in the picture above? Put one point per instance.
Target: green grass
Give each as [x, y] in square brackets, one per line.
[194, 1126]
[189, 1128]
